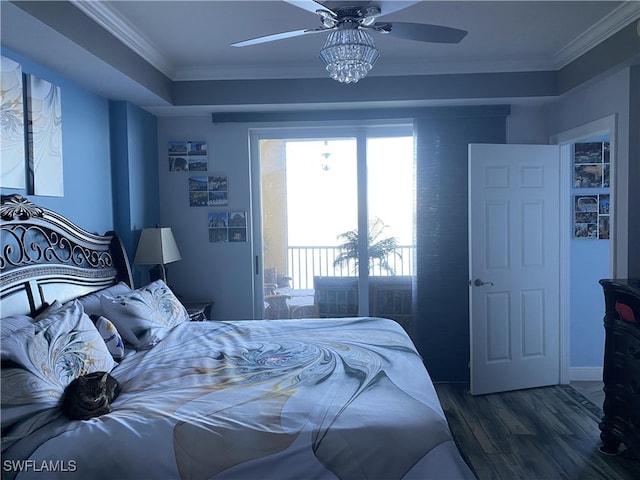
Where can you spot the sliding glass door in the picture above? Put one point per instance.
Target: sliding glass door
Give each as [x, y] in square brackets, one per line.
[314, 191]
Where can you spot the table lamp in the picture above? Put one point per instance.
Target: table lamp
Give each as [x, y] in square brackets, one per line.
[157, 246]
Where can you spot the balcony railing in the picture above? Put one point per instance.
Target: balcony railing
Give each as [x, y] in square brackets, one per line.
[318, 261]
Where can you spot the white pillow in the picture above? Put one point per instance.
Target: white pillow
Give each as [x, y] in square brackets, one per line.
[41, 359]
[48, 310]
[10, 324]
[146, 315]
[91, 301]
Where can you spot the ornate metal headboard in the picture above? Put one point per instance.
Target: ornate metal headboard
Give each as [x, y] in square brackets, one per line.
[45, 257]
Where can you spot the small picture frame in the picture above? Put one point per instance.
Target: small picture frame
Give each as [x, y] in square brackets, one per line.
[208, 191]
[237, 226]
[591, 165]
[591, 216]
[588, 152]
[218, 224]
[188, 156]
[587, 176]
[603, 227]
[217, 186]
[227, 227]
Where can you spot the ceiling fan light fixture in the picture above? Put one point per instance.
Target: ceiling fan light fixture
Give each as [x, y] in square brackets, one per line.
[349, 53]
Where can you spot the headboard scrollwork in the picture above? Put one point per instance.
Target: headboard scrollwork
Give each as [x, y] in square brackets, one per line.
[45, 257]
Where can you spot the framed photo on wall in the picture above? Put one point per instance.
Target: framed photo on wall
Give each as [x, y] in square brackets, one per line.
[227, 227]
[237, 226]
[188, 156]
[591, 162]
[591, 216]
[208, 191]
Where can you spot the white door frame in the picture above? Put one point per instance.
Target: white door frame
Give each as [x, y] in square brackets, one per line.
[564, 140]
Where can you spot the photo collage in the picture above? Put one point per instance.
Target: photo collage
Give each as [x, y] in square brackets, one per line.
[207, 190]
[591, 170]
[188, 156]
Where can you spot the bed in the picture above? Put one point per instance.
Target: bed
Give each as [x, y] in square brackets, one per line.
[299, 399]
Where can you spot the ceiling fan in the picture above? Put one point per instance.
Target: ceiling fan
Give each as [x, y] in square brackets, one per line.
[349, 51]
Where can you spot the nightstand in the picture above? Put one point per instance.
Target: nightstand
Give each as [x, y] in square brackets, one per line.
[198, 310]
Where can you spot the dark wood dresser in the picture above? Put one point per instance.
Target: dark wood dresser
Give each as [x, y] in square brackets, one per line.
[621, 420]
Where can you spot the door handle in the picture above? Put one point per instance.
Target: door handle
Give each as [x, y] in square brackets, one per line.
[479, 283]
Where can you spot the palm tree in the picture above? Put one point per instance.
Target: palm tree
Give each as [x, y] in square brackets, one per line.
[379, 248]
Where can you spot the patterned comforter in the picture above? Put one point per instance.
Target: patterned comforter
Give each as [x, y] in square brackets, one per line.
[288, 399]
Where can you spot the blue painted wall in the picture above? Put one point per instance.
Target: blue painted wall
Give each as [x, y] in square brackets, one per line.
[110, 157]
[86, 153]
[135, 176]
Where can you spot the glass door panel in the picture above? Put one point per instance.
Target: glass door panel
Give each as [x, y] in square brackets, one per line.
[316, 193]
[391, 220]
[309, 201]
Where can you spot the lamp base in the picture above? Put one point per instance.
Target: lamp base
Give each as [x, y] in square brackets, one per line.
[157, 273]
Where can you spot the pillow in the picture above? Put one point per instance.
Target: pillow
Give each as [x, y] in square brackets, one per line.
[47, 310]
[91, 301]
[10, 324]
[41, 359]
[146, 315]
[110, 335]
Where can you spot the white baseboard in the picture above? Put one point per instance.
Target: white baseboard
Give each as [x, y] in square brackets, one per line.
[586, 374]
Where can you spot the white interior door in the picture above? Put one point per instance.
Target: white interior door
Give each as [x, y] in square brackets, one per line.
[514, 265]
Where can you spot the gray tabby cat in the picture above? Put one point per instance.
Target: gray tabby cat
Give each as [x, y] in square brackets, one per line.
[89, 396]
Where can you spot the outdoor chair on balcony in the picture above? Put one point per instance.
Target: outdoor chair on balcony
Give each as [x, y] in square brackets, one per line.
[336, 297]
[276, 306]
[282, 301]
[392, 297]
[389, 297]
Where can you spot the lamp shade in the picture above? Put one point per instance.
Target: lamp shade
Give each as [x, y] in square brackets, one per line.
[157, 246]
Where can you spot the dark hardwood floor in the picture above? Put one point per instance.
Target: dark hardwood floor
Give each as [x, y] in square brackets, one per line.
[592, 390]
[542, 433]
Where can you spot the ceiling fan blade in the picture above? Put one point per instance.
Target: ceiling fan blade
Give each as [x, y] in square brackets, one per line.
[279, 36]
[309, 5]
[421, 32]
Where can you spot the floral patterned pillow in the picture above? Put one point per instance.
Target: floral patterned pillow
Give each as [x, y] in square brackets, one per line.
[41, 359]
[146, 315]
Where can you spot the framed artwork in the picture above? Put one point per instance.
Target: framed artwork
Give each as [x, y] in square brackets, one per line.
[227, 227]
[237, 226]
[13, 173]
[591, 216]
[44, 138]
[188, 156]
[218, 227]
[208, 191]
[591, 165]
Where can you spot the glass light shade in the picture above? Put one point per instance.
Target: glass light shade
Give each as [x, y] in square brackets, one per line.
[349, 53]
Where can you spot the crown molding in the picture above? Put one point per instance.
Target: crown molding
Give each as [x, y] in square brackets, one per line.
[605, 28]
[114, 23]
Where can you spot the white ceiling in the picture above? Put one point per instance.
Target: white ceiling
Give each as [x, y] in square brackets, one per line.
[190, 40]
